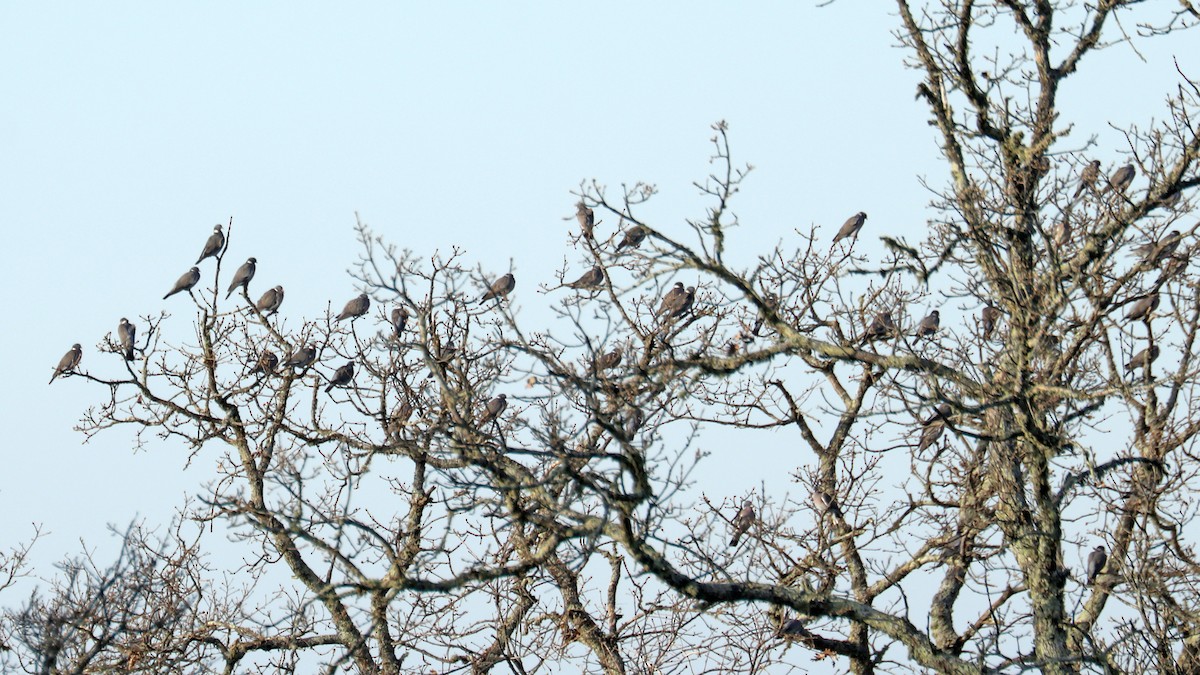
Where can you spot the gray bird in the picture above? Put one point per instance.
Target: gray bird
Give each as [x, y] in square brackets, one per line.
[610, 360]
[633, 422]
[586, 217]
[341, 377]
[185, 283]
[1142, 359]
[881, 327]
[399, 418]
[242, 277]
[1062, 233]
[1095, 564]
[851, 227]
[1143, 309]
[933, 431]
[1156, 252]
[399, 318]
[267, 362]
[216, 241]
[355, 308]
[500, 288]
[126, 332]
[271, 300]
[301, 358]
[1088, 177]
[68, 362]
[929, 325]
[677, 301]
[792, 629]
[943, 412]
[742, 522]
[1122, 178]
[633, 237]
[494, 408]
[825, 503]
[589, 280]
[990, 316]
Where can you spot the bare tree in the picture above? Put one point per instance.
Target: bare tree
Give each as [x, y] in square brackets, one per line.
[454, 490]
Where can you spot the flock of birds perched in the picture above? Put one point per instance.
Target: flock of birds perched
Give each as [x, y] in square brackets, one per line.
[677, 302]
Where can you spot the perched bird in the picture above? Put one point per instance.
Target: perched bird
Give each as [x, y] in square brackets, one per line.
[500, 288]
[399, 418]
[271, 300]
[742, 522]
[267, 362]
[1143, 309]
[881, 327]
[633, 237]
[355, 308]
[586, 217]
[990, 316]
[633, 422]
[943, 412]
[610, 360]
[1142, 359]
[1171, 200]
[1156, 252]
[399, 318]
[589, 280]
[1122, 178]
[301, 358]
[126, 333]
[929, 325]
[341, 377]
[792, 629]
[68, 362]
[825, 503]
[677, 301]
[934, 428]
[1088, 177]
[185, 283]
[494, 408]
[216, 241]
[1062, 233]
[1095, 564]
[851, 227]
[242, 277]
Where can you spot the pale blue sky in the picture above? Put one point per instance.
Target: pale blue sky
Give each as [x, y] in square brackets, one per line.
[128, 129]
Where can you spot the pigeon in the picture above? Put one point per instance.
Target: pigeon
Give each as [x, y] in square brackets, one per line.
[610, 360]
[825, 504]
[1122, 178]
[1171, 200]
[242, 277]
[267, 361]
[399, 318]
[1142, 359]
[1156, 252]
[943, 412]
[586, 217]
[68, 362]
[355, 308]
[881, 327]
[742, 522]
[341, 377]
[185, 283]
[934, 428]
[1095, 563]
[126, 332]
[792, 629]
[633, 237]
[590, 279]
[1144, 308]
[301, 358]
[1088, 177]
[633, 422]
[929, 325]
[271, 300]
[494, 408]
[677, 301]
[216, 241]
[500, 288]
[990, 316]
[851, 227]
